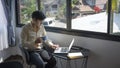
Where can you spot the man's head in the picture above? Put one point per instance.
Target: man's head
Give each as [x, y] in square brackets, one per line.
[38, 17]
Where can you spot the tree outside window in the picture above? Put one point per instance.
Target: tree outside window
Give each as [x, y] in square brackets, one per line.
[26, 9]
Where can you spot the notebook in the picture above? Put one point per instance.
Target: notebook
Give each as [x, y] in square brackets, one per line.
[64, 50]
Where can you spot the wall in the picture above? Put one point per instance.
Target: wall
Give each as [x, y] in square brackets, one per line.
[103, 53]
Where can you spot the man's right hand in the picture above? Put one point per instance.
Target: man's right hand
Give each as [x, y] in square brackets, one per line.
[38, 40]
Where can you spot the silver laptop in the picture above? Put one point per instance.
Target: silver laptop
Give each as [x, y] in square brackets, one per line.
[64, 50]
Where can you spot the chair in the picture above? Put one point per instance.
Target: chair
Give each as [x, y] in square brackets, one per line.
[27, 57]
[25, 51]
[12, 64]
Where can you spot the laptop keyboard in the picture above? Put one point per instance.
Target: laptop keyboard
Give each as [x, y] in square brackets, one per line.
[64, 49]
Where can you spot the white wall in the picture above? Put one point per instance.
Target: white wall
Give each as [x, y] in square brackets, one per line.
[104, 53]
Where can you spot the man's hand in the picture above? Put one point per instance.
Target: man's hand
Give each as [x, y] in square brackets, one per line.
[38, 40]
[55, 46]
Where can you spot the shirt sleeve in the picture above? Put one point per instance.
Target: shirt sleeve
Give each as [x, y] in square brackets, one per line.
[24, 37]
[45, 38]
[44, 31]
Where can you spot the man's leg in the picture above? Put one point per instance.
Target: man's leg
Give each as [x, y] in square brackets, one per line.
[51, 61]
[37, 60]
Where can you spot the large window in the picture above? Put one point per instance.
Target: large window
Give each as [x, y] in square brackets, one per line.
[89, 15]
[95, 16]
[55, 11]
[26, 8]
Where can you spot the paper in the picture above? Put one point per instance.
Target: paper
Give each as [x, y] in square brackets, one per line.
[75, 55]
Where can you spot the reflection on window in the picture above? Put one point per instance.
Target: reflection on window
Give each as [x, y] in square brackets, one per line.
[89, 15]
[116, 19]
[26, 9]
[55, 11]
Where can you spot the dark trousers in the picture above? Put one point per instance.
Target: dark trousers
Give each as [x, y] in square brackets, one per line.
[39, 58]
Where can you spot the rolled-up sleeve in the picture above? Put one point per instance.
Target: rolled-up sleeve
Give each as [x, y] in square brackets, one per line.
[45, 38]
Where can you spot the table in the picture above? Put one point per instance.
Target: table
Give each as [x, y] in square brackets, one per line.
[76, 53]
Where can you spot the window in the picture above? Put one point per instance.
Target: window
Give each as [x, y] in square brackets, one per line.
[26, 9]
[54, 7]
[76, 16]
[55, 11]
[115, 15]
[89, 15]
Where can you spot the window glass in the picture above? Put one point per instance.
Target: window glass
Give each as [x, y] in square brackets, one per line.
[26, 9]
[89, 15]
[55, 11]
[115, 18]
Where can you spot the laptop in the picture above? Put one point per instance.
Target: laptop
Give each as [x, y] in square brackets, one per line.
[64, 50]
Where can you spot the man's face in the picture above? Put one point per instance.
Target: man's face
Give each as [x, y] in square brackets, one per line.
[37, 22]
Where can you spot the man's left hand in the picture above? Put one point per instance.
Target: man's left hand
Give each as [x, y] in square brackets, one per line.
[55, 46]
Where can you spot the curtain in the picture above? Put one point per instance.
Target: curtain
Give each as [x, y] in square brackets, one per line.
[12, 25]
[7, 23]
[3, 29]
[9, 9]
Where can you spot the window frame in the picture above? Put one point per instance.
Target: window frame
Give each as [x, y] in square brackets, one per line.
[68, 30]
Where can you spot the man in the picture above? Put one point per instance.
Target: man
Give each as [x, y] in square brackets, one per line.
[32, 35]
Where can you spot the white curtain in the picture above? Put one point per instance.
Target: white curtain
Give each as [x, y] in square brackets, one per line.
[3, 29]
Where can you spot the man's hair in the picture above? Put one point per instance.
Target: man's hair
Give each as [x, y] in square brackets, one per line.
[39, 15]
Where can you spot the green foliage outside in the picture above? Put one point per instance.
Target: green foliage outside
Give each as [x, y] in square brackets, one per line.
[114, 5]
[74, 2]
[27, 8]
[62, 10]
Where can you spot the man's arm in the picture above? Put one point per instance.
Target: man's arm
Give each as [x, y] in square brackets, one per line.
[25, 43]
[44, 37]
[47, 41]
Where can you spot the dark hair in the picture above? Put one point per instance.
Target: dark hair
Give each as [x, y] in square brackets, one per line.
[38, 15]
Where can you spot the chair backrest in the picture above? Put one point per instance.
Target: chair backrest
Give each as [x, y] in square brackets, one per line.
[26, 54]
[12, 64]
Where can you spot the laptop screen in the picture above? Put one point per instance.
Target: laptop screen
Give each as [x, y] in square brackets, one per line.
[71, 44]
